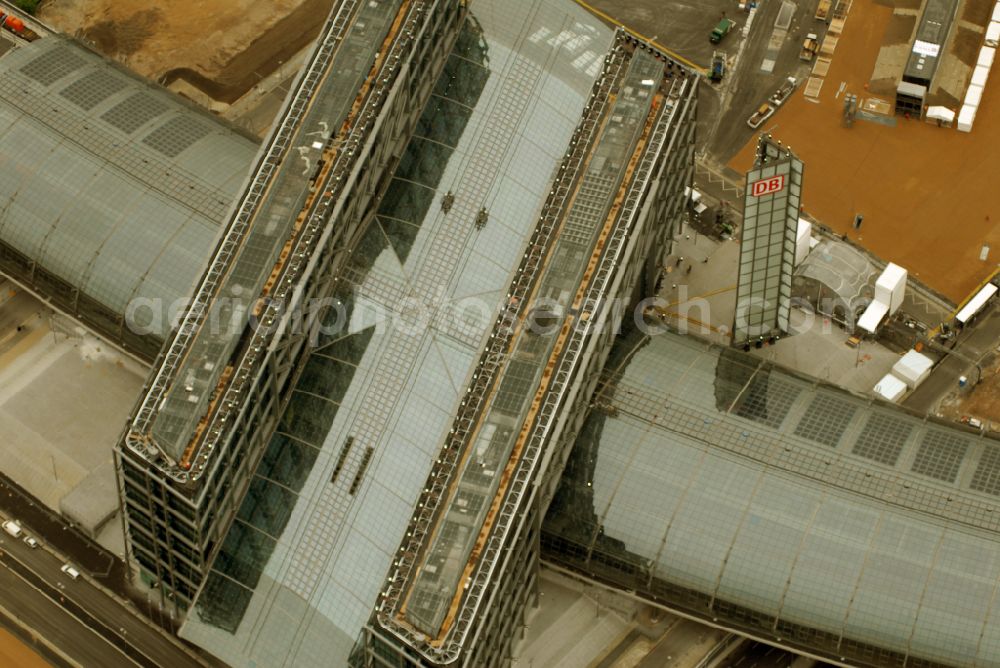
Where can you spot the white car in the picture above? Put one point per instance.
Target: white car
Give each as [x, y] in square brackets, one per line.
[30, 542]
[70, 571]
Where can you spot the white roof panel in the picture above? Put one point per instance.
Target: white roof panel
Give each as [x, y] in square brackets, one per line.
[966, 117]
[890, 388]
[986, 55]
[976, 303]
[973, 95]
[980, 75]
[912, 367]
[941, 113]
[872, 316]
[993, 31]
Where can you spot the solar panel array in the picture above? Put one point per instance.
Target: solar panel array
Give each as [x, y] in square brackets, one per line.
[826, 419]
[54, 65]
[882, 438]
[987, 475]
[940, 454]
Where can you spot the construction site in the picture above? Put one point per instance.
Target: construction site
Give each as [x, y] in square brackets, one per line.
[500, 333]
[924, 190]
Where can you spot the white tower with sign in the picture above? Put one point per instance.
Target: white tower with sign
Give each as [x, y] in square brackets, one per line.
[767, 250]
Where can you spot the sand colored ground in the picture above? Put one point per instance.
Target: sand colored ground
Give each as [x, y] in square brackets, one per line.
[16, 654]
[222, 46]
[930, 196]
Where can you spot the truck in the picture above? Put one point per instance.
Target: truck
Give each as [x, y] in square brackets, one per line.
[12, 528]
[763, 112]
[718, 66]
[15, 25]
[823, 10]
[721, 30]
[810, 45]
[784, 92]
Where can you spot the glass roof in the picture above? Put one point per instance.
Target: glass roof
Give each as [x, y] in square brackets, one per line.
[438, 579]
[296, 586]
[187, 400]
[717, 473]
[112, 184]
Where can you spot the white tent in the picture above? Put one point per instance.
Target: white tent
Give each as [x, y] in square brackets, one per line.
[943, 114]
[966, 117]
[986, 56]
[870, 319]
[980, 75]
[913, 367]
[890, 388]
[993, 32]
[973, 96]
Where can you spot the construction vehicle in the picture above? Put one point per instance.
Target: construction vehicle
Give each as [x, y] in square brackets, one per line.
[810, 46]
[762, 114]
[784, 92]
[823, 10]
[718, 66]
[721, 30]
[15, 25]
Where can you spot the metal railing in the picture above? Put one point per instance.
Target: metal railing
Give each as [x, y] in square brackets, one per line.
[495, 353]
[348, 151]
[492, 359]
[549, 411]
[193, 320]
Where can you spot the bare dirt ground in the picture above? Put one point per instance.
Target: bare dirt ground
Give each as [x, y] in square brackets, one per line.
[977, 11]
[222, 47]
[928, 194]
[15, 653]
[982, 401]
[900, 28]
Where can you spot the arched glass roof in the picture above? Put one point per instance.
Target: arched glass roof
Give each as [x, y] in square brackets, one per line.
[709, 480]
[111, 188]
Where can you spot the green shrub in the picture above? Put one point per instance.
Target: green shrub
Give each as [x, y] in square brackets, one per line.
[27, 5]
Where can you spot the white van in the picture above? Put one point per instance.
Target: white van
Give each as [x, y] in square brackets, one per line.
[12, 528]
[70, 571]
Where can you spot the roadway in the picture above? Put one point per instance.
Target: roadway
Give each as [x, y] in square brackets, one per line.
[684, 645]
[724, 109]
[57, 626]
[84, 621]
[761, 655]
[975, 342]
[748, 85]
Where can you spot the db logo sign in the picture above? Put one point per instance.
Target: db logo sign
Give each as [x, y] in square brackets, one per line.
[767, 186]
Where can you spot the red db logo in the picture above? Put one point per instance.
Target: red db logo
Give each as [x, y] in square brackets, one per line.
[767, 186]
